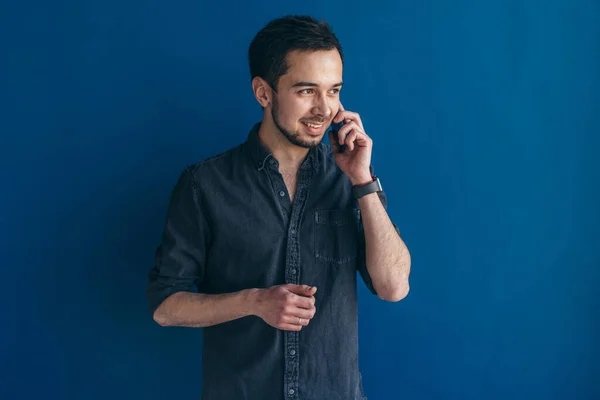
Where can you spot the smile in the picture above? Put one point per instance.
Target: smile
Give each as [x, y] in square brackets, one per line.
[314, 126]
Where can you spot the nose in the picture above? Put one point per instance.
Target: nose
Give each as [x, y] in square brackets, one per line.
[322, 107]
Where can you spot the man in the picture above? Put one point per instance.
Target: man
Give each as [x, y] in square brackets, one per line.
[262, 243]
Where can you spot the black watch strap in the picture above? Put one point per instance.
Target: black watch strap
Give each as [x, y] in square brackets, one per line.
[363, 190]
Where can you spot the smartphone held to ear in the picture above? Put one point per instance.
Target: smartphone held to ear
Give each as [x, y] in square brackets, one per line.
[335, 128]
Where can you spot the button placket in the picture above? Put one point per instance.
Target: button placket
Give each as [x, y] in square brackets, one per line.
[292, 272]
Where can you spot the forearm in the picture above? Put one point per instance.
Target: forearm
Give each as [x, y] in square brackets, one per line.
[201, 310]
[387, 257]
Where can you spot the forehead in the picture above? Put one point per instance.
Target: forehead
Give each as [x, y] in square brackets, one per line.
[321, 67]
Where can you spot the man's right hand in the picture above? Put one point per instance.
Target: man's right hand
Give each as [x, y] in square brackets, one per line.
[286, 307]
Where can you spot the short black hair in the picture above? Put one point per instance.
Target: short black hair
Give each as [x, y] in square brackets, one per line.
[271, 45]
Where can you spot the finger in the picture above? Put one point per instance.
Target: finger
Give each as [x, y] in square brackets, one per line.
[345, 130]
[353, 138]
[302, 290]
[291, 316]
[297, 289]
[349, 116]
[339, 116]
[303, 319]
[352, 116]
[305, 302]
[342, 116]
[358, 139]
[290, 327]
[350, 139]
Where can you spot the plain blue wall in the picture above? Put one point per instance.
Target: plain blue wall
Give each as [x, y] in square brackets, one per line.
[485, 118]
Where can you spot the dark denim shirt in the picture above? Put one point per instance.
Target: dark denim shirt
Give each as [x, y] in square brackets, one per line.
[231, 226]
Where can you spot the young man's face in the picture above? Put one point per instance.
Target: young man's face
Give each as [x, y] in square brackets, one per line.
[307, 97]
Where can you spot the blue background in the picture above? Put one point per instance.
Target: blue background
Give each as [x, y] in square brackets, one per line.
[485, 118]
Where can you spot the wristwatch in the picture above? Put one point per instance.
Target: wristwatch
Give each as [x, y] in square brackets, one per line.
[363, 190]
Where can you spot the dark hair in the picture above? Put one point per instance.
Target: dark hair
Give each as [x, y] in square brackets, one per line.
[270, 47]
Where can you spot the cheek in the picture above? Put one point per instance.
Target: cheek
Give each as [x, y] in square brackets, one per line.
[293, 110]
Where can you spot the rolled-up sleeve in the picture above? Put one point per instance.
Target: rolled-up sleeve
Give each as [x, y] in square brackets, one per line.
[181, 254]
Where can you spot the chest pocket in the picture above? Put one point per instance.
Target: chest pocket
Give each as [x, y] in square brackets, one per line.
[336, 235]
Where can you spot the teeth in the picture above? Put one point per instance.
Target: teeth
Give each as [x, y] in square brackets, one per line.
[312, 125]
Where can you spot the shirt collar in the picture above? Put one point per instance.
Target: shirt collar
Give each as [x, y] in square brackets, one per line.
[260, 154]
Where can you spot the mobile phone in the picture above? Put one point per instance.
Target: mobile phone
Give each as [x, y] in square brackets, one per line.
[335, 128]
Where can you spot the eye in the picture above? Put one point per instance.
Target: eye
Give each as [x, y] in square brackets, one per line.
[306, 91]
[335, 91]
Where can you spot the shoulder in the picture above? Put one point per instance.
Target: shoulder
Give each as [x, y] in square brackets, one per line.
[219, 162]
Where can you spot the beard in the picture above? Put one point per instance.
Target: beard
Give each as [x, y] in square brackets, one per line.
[292, 137]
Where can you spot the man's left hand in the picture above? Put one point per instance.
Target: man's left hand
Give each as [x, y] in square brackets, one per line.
[356, 158]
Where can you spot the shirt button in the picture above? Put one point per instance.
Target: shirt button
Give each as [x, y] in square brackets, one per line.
[293, 231]
[291, 391]
[293, 352]
[271, 161]
[281, 193]
[294, 271]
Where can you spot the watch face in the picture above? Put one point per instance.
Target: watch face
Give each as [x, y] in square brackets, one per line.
[378, 185]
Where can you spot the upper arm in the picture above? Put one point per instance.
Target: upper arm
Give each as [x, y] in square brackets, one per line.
[181, 255]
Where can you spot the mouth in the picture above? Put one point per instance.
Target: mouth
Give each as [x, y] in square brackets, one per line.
[314, 128]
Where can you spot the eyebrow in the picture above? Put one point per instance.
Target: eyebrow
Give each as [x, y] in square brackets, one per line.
[312, 84]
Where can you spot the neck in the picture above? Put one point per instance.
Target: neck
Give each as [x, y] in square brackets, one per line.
[289, 156]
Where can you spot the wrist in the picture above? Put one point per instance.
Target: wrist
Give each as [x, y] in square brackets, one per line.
[252, 300]
[360, 191]
[361, 180]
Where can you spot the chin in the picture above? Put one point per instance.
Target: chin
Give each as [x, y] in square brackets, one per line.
[309, 141]
[302, 136]
[304, 140]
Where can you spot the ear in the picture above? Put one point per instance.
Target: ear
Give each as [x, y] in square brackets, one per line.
[262, 91]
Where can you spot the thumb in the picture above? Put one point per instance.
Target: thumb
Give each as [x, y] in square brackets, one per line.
[303, 290]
